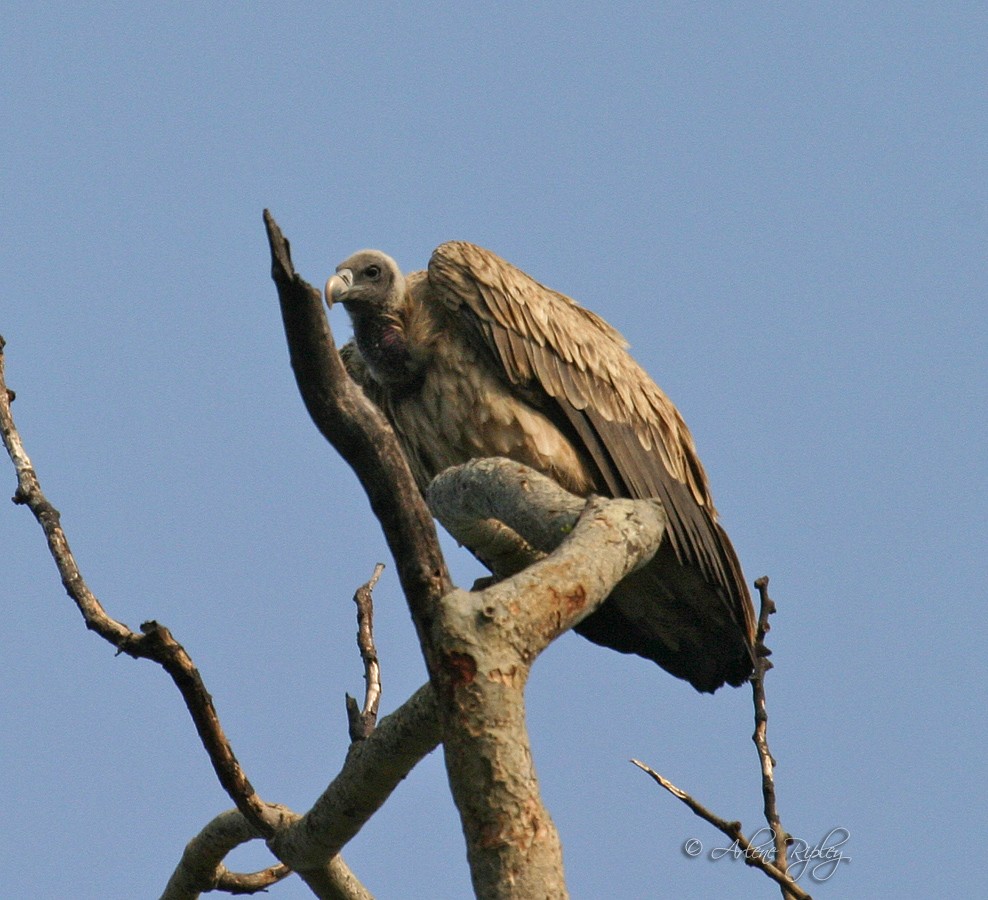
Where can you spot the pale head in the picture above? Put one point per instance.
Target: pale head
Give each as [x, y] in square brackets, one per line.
[367, 282]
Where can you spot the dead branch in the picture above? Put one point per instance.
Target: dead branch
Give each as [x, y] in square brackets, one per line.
[489, 640]
[778, 869]
[362, 721]
[154, 642]
[251, 882]
[359, 432]
[732, 830]
[780, 837]
[201, 868]
[331, 879]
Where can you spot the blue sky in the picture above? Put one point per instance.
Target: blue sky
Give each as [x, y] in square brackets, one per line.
[783, 206]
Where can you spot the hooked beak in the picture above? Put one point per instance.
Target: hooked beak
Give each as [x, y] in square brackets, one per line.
[338, 285]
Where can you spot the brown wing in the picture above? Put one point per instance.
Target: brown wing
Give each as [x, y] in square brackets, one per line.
[629, 427]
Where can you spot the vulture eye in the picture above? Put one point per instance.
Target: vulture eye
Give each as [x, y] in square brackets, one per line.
[372, 271]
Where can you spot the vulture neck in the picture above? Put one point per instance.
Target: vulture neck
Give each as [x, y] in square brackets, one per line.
[383, 340]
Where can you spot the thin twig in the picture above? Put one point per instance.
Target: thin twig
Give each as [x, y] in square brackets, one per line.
[731, 829]
[760, 737]
[752, 855]
[362, 722]
[778, 869]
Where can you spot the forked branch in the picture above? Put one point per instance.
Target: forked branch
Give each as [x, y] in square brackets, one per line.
[201, 869]
[777, 868]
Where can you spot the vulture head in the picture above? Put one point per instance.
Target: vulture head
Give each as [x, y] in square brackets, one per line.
[368, 283]
[371, 287]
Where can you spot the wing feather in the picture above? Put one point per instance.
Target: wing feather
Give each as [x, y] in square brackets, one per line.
[520, 358]
[574, 386]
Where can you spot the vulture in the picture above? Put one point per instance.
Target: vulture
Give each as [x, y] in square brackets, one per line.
[473, 358]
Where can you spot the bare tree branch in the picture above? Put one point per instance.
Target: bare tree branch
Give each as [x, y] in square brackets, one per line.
[201, 868]
[778, 869]
[752, 856]
[251, 882]
[373, 769]
[331, 879]
[155, 642]
[507, 514]
[477, 648]
[362, 721]
[359, 432]
[489, 640]
[780, 838]
[335, 881]
[310, 844]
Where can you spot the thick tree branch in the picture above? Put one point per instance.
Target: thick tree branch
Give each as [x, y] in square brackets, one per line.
[335, 882]
[357, 429]
[488, 641]
[581, 536]
[478, 648]
[507, 514]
